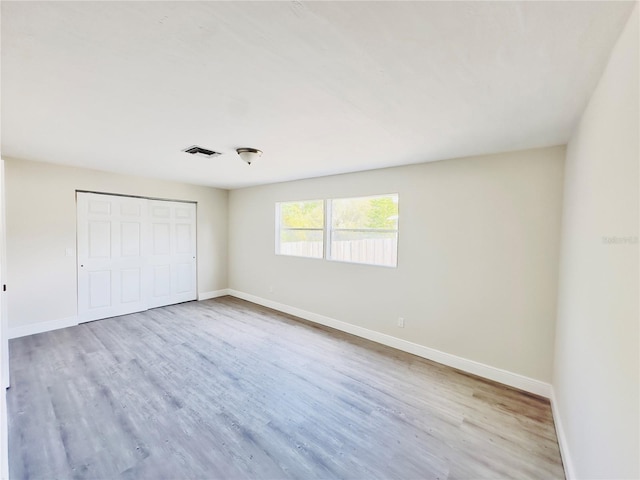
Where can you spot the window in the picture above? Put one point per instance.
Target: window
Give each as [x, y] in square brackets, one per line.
[364, 230]
[300, 228]
[358, 230]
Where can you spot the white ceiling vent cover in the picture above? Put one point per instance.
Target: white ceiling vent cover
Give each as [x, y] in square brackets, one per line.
[204, 152]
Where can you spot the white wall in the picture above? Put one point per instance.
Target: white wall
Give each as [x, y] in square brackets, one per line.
[41, 224]
[478, 254]
[596, 374]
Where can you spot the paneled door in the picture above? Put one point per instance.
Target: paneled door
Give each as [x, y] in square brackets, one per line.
[133, 254]
[111, 259]
[172, 252]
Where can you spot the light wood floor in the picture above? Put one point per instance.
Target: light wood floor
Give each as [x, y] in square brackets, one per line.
[227, 389]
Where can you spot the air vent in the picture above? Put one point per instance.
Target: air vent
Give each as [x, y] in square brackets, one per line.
[196, 150]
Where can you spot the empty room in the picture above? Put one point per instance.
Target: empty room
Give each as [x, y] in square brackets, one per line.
[319, 240]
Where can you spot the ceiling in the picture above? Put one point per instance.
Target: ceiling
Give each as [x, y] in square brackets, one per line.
[321, 87]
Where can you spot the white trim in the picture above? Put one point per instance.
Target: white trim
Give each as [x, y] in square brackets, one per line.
[569, 471]
[4, 319]
[4, 436]
[41, 327]
[213, 294]
[470, 366]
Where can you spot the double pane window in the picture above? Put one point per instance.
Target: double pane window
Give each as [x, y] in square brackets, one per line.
[356, 230]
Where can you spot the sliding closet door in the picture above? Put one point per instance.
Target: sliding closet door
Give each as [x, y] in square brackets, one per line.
[133, 254]
[172, 253]
[111, 263]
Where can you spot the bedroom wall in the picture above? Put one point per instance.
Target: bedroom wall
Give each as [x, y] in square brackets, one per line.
[478, 257]
[596, 374]
[41, 225]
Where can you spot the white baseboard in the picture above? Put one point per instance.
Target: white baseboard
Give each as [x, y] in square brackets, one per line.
[213, 294]
[470, 366]
[40, 327]
[569, 471]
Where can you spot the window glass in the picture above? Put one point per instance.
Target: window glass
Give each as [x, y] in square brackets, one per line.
[364, 230]
[300, 228]
[358, 230]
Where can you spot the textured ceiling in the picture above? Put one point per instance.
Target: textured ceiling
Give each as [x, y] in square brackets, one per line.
[320, 87]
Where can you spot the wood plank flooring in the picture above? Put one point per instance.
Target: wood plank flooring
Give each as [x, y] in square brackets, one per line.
[228, 389]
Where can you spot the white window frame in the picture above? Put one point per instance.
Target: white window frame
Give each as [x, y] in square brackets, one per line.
[279, 229]
[329, 230]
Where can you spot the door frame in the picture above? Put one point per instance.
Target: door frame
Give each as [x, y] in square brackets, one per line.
[5, 380]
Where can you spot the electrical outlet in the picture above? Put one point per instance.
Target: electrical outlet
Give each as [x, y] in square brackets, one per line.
[272, 289]
[401, 322]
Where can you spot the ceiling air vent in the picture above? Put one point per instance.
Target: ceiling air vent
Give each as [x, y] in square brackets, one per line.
[196, 150]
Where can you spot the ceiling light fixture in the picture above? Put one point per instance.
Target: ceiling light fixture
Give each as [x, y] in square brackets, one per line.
[249, 154]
